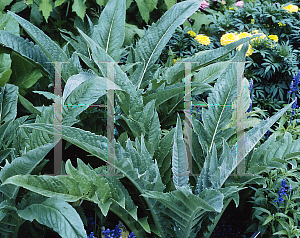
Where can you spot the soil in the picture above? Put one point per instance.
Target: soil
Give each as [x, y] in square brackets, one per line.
[234, 222]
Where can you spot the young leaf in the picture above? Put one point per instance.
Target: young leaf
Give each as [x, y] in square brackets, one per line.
[48, 46]
[79, 7]
[110, 32]
[179, 158]
[46, 8]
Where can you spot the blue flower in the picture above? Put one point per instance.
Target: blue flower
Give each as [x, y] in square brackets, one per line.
[116, 232]
[91, 235]
[295, 83]
[267, 134]
[251, 86]
[252, 96]
[106, 233]
[283, 183]
[282, 191]
[131, 235]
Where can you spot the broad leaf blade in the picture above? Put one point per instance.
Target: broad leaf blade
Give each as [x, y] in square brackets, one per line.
[110, 31]
[8, 102]
[57, 215]
[28, 50]
[22, 165]
[48, 46]
[150, 46]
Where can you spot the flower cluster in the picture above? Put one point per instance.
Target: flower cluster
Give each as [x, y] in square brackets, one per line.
[233, 37]
[202, 39]
[291, 8]
[228, 38]
[91, 235]
[198, 110]
[294, 88]
[282, 191]
[191, 33]
[204, 5]
[116, 233]
[294, 84]
[273, 37]
[280, 24]
[240, 4]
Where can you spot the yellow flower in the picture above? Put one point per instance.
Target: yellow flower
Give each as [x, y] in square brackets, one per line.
[291, 8]
[254, 31]
[259, 38]
[231, 8]
[228, 38]
[244, 35]
[280, 24]
[174, 61]
[273, 37]
[252, 21]
[249, 51]
[202, 39]
[192, 33]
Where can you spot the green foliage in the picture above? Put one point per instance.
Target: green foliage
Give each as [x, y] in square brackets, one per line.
[271, 67]
[269, 217]
[150, 158]
[56, 214]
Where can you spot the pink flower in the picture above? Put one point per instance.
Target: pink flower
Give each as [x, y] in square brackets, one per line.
[239, 4]
[204, 4]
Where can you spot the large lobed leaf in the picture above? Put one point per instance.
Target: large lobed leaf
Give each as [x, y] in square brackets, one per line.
[110, 32]
[184, 210]
[8, 103]
[150, 46]
[53, 52]
[219, 111]
[131, 99]
[22, 165]
[57, 215]
[86, 183]
[27, 49]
